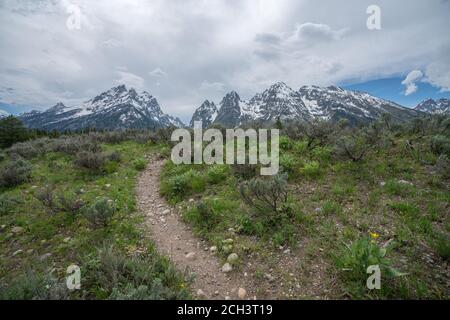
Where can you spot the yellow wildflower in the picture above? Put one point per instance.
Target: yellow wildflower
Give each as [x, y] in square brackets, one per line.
[374, 235]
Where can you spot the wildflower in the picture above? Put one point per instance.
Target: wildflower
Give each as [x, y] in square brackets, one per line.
[374, 235]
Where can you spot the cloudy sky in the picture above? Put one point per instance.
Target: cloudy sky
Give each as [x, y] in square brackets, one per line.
[186, 51]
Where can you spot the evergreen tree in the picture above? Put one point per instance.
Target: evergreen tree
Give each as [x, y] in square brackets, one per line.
[12, 130]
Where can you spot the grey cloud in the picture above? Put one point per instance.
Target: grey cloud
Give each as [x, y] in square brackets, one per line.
[184, 51]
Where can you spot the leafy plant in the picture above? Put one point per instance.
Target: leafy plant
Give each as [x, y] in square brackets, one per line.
[100, 213]
[15, 172]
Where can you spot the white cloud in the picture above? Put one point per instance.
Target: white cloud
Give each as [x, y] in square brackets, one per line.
[316, 32]
[157, 73]
[130, 80]
[438, 71]
[410, 81]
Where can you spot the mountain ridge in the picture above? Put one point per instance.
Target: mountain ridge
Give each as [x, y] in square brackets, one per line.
[307, 103]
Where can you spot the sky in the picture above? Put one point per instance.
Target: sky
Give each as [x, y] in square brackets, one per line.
[186, 51]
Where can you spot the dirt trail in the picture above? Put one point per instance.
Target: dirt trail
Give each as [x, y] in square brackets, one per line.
[175, 240]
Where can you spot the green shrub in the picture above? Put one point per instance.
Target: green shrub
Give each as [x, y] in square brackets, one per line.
[351, 147]
[146, 277]
[442, 246]
[183, 184]
[92, 161]
[286, 143]
[322, 154]
[15, 172]
[311, 170]
[331, 207]
[7, 204]
[140, 164]
[114, 156]
[70, 203]
[440, 144]
[265, 193]
[217, 174]
[100, 213]
[300, 147]
[286, 235]
[288, 163]
[34, 287]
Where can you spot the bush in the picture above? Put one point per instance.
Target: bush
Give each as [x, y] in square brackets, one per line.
[146, 276]
[217, 174]
[443, 166]
[140, 164]
[288, 163]
[92, 161]
[114, 156]
[15, 172]
[27, 150]
[442, 246]
[245, 171]
[34, 287]
[440, 145]
[203, 216]
[331, 207]
[70, 203]
[311, 170]
[7, 204]
[286, 144]
[100, 213]
[351, 147]
[46, 197]
[268, 196]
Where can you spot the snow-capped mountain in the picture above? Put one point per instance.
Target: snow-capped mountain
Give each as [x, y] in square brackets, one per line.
[309, 102]
[206, 113]
[3, 113]
[115, 109]
[334, 103]
[441, 106]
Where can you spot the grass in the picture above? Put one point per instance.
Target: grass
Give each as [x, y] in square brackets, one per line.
[335, 204]
[116, 261]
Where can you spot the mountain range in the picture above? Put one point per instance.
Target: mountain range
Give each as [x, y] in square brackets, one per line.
[123, 108]
[307, 103]
[117, 108]
[3, 113]
[441, 106]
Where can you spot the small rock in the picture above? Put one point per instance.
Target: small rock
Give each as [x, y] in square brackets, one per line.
[167, 211]
[3, 227]
[227, 248]
[45, 256]
[213, 249]
[318, 210]
[242, 293]
[287, 251]
[228, 241]
[405, 182]
[227, 298]
[201, 294]
[227, 268]
[17, 230]
[233, 258]
[191, 200]
[382, 183]
[108, 185]
[66, 240]
[216, 293]
[190, 256]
